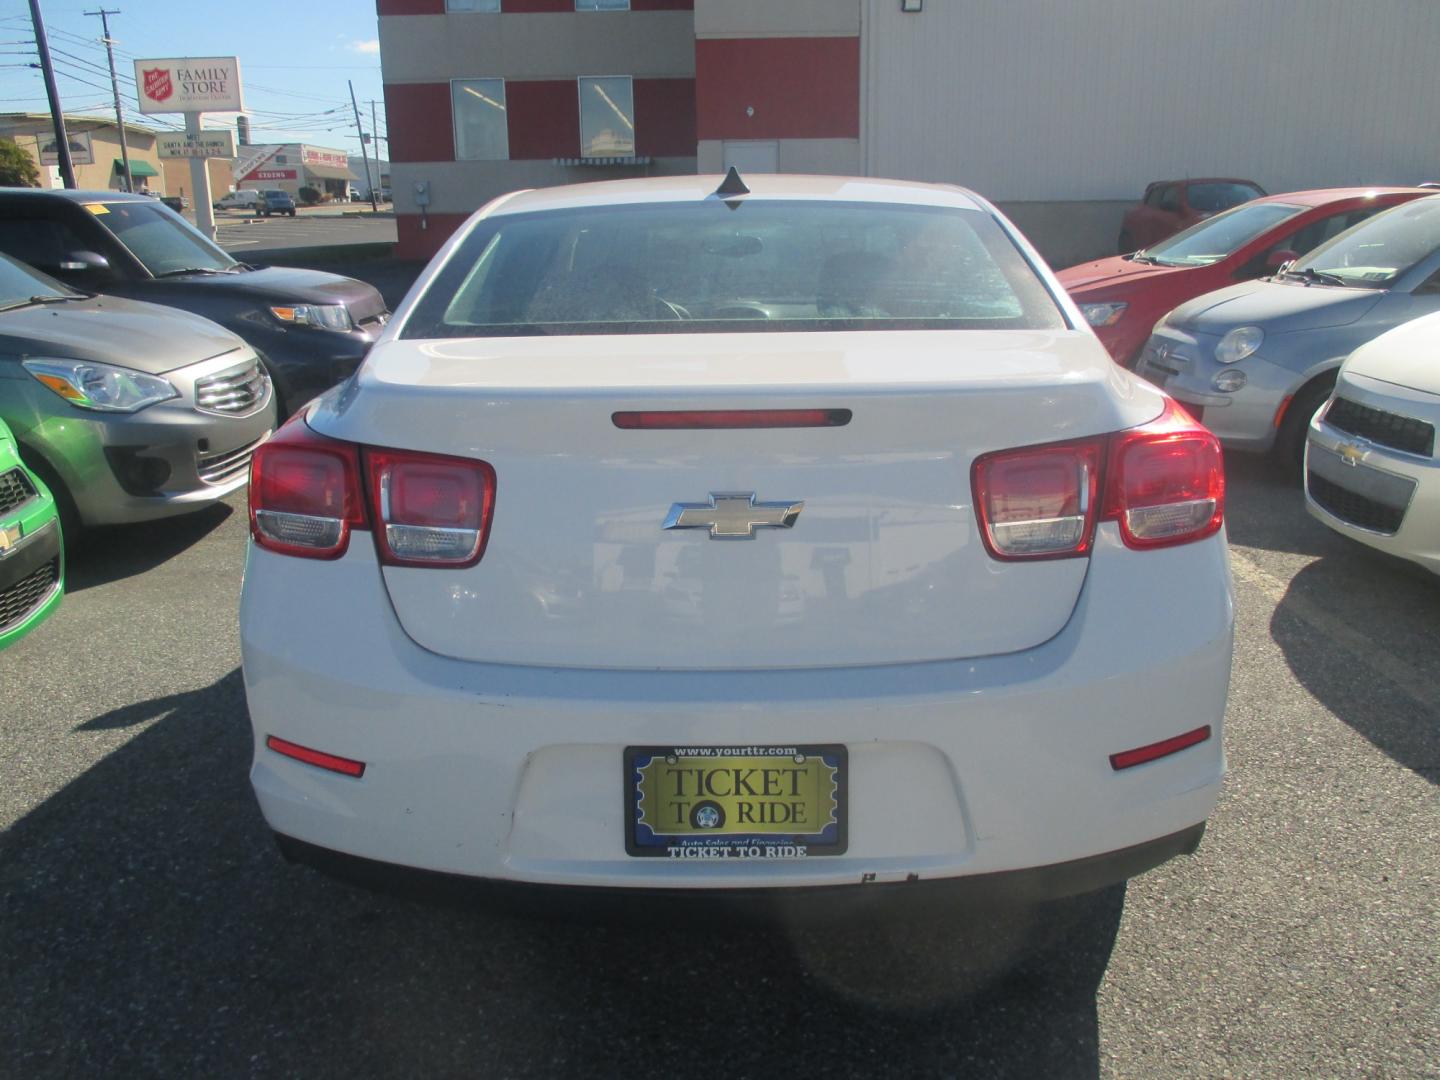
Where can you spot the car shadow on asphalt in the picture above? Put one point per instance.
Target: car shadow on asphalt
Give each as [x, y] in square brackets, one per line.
[1361, 632]
[148, 926]
[1265, 508]
[110, 553]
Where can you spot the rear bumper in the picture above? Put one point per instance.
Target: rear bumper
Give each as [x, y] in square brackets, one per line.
[957, 768]
[907, 899]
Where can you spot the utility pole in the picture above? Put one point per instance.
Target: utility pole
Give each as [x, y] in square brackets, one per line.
[375, 141]
[115, 89]
[57, 115]
[363, 155]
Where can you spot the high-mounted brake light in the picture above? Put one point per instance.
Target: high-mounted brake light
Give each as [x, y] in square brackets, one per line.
[305, 493]
[717, 419]
[1162, 482]
[308, 493]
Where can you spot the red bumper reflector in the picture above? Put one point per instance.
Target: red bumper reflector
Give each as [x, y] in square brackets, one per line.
[1141, 754]
[315, 757]
[717, 419]
[1281, 411]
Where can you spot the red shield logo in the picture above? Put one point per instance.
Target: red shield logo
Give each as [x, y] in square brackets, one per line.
[157, 84]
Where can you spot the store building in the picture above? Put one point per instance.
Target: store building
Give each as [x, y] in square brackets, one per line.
[94, 151]
[290, 166]
[1061, 112]
[379, 175]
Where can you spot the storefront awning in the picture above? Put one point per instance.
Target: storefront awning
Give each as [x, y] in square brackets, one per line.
[328, 172]
[137, 167]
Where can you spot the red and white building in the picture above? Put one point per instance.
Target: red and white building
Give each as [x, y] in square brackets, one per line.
[290, 166]
[1059, 111]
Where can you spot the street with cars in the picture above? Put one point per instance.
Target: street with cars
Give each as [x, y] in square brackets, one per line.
[632, 580]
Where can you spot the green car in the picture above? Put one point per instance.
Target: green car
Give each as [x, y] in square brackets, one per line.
[32, 562]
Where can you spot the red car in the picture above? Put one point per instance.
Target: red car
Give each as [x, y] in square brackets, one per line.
[1172, 205]
[1124, 296]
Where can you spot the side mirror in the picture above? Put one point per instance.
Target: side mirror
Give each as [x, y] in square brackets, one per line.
[80, 261]
[1277, 259]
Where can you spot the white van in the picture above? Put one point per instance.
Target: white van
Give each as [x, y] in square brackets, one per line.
[240, 200]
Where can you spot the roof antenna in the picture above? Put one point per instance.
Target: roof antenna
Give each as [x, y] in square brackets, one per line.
[731, 188]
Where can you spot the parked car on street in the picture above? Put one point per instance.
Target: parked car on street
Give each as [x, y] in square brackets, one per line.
[240, 200]
[1371, 468]
[127, 411]
[311, 328]
[32, 560]
[709, 540]
[1123, 296]
[1171, 205]
[275, 202]
[1256, 360]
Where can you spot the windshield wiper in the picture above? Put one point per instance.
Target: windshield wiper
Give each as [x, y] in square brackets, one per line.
[56, 298]
[192, 270]
[1141, 257]
[1316, 277]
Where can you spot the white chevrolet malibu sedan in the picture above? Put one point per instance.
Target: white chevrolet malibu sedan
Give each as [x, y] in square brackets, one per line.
[740, 537]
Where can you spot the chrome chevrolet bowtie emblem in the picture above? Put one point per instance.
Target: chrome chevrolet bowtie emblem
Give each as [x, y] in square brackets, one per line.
[733, 515]
[1350, 453]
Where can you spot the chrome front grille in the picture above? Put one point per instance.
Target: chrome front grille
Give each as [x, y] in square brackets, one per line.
[19, 601]
[15, 490]
[1381, 427]
[222, 468]
[236, 391]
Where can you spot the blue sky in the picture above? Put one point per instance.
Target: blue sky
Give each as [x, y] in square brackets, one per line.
[295, 57]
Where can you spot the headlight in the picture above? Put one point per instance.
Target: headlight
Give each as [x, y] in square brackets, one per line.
[1102, 314]
[102, 387]
[323, 316]
[1238, 344]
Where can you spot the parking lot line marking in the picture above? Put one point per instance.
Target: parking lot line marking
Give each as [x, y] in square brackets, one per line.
[1406, 678]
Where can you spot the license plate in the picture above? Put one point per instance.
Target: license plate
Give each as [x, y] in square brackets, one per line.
[735, 802]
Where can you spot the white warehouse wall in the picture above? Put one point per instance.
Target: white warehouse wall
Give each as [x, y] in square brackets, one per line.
[1043, 104]
[1089, 99]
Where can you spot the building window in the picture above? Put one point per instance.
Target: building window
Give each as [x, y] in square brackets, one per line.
[486, 6]
[602, 5]
[481, 133]
[607, 117]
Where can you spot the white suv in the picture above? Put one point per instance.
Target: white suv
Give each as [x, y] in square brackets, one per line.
[691, 538]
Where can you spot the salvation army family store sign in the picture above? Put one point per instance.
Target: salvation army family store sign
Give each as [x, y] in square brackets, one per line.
[189, 84]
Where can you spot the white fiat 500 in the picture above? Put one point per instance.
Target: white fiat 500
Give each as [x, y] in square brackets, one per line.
[677, 537]
[1372, 466]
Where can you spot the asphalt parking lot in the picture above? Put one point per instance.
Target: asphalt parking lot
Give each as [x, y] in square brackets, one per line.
[147, 926]
[248, 238]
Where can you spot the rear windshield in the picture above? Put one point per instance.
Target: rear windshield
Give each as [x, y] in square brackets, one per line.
[1212, 198]
[765, 266]
[1214, 238]
[1373, 254]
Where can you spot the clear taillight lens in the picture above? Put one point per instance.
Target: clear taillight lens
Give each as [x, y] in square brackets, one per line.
[1038, 502]
[429, 510]
[305, 493]
[1163, 483]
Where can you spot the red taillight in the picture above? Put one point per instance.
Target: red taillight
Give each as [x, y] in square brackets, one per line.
[1163, 483]
[429, 510]
[715, 419]
[1128, 759]
[305, 493]
[306, 498]
[1038, 502]
[318, 758]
